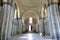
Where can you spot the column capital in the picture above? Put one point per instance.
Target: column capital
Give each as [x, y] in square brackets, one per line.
[51, 2]
[9, 2]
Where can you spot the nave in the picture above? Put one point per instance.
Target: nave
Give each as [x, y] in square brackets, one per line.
[29, 19]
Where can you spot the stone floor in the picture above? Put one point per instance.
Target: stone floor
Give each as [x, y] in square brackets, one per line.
[29, 36]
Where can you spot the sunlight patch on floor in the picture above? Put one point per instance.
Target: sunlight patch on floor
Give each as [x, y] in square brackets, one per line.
[29, 36]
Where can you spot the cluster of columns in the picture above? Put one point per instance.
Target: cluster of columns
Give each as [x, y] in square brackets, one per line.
[53, 18]
[1, 18]
[20, 28]
[8, 16]
[34, 28]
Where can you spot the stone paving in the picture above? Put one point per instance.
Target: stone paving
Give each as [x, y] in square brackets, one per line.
[29, 36]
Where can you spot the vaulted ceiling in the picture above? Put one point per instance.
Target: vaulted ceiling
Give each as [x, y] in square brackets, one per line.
[26, 5]
[30, 4]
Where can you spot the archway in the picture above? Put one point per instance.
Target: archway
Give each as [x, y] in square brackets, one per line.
[33, 15]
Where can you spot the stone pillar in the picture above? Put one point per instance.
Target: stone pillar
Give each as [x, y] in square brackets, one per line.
[11, 17]
[23, 28]
[49, 21]
[7, 20]
[40, 26]
[52, 21]
[53, 18]
[10, 21]
[58, 11]
[1, 18]
[15, 26]
[20, 26]
[26, 28]
[56, 19]
[37, 28]
[4, 21]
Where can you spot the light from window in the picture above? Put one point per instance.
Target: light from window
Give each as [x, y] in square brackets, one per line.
[18, 13]
[29, 27]
[15, 14]
[30, 20]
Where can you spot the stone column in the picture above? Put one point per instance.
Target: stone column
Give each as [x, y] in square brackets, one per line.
[52, 20]
[23, 28]
[26, 28]
[20, 26]
[7, 20]
[10, 21]
[37, 28]
[58, 11]
[56, 19]
[1, 18]
[49, 21]
[40, 26]
[4, 20]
